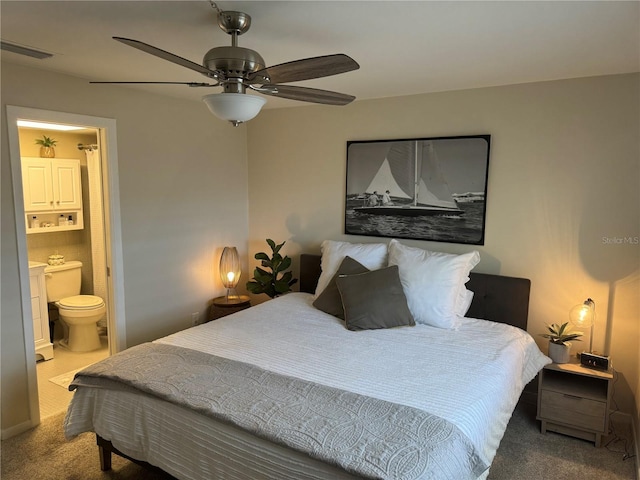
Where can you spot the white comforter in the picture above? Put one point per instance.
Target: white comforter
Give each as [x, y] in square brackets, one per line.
[472, 377]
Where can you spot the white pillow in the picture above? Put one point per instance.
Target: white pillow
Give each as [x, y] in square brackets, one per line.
[464, 301]
[433, 283]
[371, 255]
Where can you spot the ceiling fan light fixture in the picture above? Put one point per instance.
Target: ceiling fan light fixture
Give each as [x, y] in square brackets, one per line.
[234, 107]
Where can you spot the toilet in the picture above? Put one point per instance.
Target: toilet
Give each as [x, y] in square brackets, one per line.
[79, 313]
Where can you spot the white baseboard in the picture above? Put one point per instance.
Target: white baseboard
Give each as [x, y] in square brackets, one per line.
[621, 416]
[7, 433]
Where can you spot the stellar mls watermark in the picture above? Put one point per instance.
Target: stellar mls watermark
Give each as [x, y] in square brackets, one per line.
[621, 240]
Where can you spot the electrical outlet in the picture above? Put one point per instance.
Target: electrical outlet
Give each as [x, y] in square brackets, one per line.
[195, 318]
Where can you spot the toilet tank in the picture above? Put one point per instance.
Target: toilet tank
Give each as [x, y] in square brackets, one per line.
[63, 280]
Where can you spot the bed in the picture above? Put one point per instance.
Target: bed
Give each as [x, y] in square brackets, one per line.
[466, 379]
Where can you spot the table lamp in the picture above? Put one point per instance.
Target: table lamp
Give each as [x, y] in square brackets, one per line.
[230, 269]
[583, 316]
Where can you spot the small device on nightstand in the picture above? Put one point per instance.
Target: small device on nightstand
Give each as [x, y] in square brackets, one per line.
[591, 360]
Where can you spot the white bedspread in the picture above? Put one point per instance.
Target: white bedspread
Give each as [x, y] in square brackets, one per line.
[472, 377]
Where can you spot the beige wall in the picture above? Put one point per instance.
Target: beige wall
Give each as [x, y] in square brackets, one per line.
[66, 146]
[563, 181]
[183, 197]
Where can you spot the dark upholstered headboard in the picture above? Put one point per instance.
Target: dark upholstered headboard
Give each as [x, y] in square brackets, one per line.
[495, 297]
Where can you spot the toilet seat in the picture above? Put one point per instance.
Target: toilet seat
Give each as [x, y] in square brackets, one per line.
[81, 302]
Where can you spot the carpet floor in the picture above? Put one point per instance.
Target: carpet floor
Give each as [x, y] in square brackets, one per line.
[42, 453]
[525, 453]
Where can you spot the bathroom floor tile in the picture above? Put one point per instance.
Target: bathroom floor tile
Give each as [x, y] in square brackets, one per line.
[54, 398]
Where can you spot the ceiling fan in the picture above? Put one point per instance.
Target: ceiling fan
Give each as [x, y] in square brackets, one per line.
[237, 69]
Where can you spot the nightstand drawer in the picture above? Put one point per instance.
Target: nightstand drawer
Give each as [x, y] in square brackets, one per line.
[573, 410]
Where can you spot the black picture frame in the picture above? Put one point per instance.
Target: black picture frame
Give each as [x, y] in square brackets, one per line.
[448, 175]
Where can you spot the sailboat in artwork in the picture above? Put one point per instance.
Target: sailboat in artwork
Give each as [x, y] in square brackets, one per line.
[411, 170]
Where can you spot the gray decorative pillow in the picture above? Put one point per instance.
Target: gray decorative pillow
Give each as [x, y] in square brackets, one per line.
[329, 301]
[374, 300]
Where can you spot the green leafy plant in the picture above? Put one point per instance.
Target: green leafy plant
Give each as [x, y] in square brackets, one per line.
[273, 279]
[46, 141]
[561, 334]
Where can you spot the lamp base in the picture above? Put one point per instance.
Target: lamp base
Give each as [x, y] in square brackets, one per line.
[591, 360]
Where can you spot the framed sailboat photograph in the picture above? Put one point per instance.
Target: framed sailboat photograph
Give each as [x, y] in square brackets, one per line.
[424, 188]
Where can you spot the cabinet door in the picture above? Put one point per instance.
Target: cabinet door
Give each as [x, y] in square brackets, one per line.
[38, 334]
[67, 192]
[37, 184]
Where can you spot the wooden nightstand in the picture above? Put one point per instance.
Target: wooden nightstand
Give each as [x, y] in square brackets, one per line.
[574, 400]
[221, 306]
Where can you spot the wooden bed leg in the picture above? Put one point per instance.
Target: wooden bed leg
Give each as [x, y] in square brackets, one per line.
[105, 459]
[106, 449]
[105, 455]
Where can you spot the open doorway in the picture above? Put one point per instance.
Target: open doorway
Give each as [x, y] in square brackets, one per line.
[90, 232]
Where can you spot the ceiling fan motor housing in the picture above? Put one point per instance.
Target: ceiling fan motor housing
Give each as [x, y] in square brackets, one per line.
[235, 62]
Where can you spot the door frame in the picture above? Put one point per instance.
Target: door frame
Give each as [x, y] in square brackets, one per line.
[107, 140]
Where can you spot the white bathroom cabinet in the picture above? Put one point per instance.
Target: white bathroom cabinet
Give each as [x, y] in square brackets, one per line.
[39, 311]
[52, 188]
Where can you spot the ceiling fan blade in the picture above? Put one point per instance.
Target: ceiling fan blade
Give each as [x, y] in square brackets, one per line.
[190, 84]
[306, 69]
[167, 56]
[305, 94]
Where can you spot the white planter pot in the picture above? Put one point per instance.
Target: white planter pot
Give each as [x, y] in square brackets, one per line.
[559, 353]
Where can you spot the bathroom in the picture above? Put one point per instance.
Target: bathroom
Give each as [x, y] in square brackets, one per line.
[81, 239]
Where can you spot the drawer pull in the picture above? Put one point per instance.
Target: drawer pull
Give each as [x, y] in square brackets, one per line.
[571, 396]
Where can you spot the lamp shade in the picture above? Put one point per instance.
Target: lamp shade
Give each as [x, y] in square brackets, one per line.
[230, 270]
[584, 316]
[234, 107]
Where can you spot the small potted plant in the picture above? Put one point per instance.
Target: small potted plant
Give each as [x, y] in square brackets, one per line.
[46, 146]
[560, 337]
[276, 280]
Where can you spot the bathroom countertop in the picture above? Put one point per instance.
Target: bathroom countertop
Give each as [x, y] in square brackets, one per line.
[36, 264]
